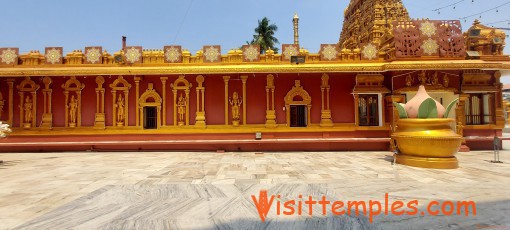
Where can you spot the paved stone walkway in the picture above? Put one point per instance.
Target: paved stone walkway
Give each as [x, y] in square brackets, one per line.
[203, 190]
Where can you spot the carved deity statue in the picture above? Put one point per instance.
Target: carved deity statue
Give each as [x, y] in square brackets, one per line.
[422, 77]
[270, 81]
[181, 108]
[235, 102]
[460, 129]
[28, 109]
[409, 81]
[435, 79]
[446, 81]
[325, 81]
[73, 107]
[120, 109]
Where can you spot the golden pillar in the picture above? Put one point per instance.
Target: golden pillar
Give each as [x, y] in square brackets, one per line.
[390, 99]
[99, 120]
[163, 81]
[270, 112]
[325, 111]
[200, 115]
[244, 79]
[137, 94]
[356, 109]
[47, 117]
[225, 79]
[460, 110]
[10, 83]
[500, 113]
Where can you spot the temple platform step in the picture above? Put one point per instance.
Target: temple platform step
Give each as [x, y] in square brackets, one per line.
[190, 142]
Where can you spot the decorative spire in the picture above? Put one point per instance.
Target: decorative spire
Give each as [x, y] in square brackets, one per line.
[367, 21]
[295, 20]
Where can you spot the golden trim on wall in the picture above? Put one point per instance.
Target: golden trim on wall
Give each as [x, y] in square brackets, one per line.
[47, 70]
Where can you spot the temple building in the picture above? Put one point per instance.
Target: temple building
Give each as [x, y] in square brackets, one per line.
[340, 98]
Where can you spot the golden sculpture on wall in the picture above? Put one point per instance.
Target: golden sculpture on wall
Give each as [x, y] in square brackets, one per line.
[409, 80]
[235, 103]
[28, 107]
[120, 111]
[28, 104]
[446, 81]
[181, 84]
[120, 86]
[73, 87]
[181, 109]
[73, 107]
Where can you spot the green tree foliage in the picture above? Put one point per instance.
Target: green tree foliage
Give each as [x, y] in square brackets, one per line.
[265, 36]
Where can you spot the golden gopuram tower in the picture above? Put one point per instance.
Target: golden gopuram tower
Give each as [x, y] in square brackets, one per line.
[367, 21]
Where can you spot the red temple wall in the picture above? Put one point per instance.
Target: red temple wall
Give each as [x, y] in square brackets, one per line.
[341, 100]
[256, 98]
[4, 90]
[214, 100]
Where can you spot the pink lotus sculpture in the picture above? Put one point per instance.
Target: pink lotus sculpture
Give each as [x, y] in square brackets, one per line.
[423, 106]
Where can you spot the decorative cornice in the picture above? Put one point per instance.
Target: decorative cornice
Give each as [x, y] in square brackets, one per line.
[249, 68]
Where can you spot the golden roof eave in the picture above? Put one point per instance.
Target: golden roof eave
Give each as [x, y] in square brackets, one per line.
[65, 70]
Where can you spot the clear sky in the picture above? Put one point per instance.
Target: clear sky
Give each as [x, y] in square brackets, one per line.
[74, 24]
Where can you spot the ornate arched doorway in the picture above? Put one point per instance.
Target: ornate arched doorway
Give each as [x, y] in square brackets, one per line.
[298, 104]
[150, 108]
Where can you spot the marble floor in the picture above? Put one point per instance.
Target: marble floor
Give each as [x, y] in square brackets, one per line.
[208, 190]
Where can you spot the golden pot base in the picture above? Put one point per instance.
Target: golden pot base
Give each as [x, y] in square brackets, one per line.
[428, 162]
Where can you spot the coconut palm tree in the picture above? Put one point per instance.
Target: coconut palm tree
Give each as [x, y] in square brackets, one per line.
[265, 36]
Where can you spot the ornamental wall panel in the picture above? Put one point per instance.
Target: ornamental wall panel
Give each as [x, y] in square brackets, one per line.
[251, 53]
[369, 51]
[289, 50]
[408, 40]
[329, 52]
[173, 54]
[133, 54]
[94, 55]
[451, 39]
[212, 53]
[54, 55]
[9, 56]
